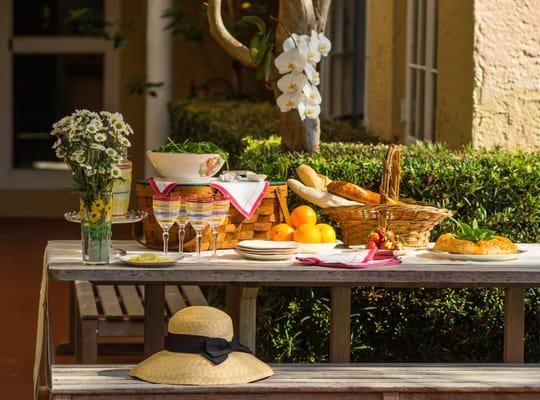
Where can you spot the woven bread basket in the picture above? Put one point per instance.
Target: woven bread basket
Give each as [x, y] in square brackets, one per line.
[272, 210]
[411, 221]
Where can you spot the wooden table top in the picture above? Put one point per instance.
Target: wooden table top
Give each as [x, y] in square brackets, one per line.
[415, 271]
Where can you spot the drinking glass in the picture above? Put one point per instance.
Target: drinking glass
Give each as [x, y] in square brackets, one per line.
[182, 221]
[166, 208]
[199, 211]
[220, 212]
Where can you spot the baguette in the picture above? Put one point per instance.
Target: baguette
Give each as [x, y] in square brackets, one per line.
[309, 177]
[325, 181]
[318, 197]
[356, 193]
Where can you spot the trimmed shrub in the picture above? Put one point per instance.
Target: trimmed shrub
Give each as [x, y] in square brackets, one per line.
[228, 122]
[500, 189]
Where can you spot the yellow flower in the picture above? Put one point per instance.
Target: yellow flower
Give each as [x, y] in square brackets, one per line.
[94, 216]
[99, 204]
[245, 5]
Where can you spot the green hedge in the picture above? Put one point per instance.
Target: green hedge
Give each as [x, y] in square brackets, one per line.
[228, 122]
[500, 189]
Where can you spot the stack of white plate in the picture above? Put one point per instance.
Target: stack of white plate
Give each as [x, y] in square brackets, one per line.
[267, 250]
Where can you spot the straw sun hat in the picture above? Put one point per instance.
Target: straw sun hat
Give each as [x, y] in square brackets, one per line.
[200, 349]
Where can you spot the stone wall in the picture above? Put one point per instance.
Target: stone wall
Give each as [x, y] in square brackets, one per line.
[507, 73]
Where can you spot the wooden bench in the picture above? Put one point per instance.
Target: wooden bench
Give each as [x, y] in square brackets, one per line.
[118, 310]
[316, 382]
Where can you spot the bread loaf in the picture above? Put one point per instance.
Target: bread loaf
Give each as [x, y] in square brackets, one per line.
[356, 193]
[325, 181]
[309, 177]
[318, 197]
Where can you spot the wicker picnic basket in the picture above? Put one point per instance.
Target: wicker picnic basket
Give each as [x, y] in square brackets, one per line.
[272, 210]
[411, 221]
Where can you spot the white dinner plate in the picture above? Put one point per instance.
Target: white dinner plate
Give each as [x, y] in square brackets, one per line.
[267, 245]
[265, 257]
[173, 258]
[318, 248]
[477, 257]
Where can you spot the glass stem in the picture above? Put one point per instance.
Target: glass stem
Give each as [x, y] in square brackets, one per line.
[181, 235]
[199, 237]
[166, 242]
[214, 242]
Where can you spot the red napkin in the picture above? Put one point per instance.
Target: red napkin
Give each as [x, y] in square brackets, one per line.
[353, 260]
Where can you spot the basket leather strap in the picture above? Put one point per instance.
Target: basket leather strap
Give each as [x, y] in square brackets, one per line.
[282, 200]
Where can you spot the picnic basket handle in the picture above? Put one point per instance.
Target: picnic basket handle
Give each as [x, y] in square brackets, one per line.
[391, 174]
[282, 201]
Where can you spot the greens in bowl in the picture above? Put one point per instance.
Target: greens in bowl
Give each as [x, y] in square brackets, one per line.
[188, 162]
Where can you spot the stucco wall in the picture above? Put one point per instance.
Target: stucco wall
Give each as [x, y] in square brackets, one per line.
[507, 73]
[455, 72]
[386, 67]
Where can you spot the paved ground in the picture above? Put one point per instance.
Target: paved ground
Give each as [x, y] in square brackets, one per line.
[21, 250]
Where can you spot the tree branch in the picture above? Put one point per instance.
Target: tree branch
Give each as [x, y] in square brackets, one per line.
[223, 37]
[321, 10]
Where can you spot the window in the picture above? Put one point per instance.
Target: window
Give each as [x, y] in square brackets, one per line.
[48, 72]
[421, 69]
[343, 71]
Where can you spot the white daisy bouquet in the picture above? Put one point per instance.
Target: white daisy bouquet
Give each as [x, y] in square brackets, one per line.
[298, 65]
[92, 145]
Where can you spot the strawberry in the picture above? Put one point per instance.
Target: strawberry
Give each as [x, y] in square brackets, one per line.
[374, 237]
[371, 245]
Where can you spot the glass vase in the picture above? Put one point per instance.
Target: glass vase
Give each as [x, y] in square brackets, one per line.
[96, 226]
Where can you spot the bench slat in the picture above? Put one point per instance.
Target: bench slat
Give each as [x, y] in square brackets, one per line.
[173, 299]
[109, 302]
[194, 295]
[86, 300]
[435, 381]
[132, 302]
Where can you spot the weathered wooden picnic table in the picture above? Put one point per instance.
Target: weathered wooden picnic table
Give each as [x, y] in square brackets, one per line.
[243, 279]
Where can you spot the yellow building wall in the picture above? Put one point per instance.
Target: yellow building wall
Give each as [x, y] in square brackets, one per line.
[386, 67]
[507, 79]
[455, 73]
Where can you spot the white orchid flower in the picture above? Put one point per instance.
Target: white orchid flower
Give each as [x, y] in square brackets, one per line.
[310, 52]
[294, 41]
[312, 74]
[324, 45]
[313, 96]
[308, 111]
[288, 101]
[290, 61]
[292, 82]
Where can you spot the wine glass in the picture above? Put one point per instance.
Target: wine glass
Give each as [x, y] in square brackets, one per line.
[199, 211]
[166, 208]
[182, 221]
[220, 212]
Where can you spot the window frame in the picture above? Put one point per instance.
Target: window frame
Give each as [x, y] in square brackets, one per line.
[33, 179]
[421, 44]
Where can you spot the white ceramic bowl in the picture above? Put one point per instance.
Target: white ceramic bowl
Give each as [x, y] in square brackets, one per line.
[186, 167]
[318, 248]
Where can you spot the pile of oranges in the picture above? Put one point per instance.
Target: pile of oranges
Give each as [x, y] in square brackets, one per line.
[304, 228]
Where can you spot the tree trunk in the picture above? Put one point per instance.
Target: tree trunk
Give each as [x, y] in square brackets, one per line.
[295, 16]
[296, 135]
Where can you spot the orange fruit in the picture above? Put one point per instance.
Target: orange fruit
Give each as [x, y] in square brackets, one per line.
[307, 233]
[281, 232]
[328, 234]
[303, 215]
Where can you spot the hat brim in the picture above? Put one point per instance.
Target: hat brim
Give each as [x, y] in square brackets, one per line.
[194, 369]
